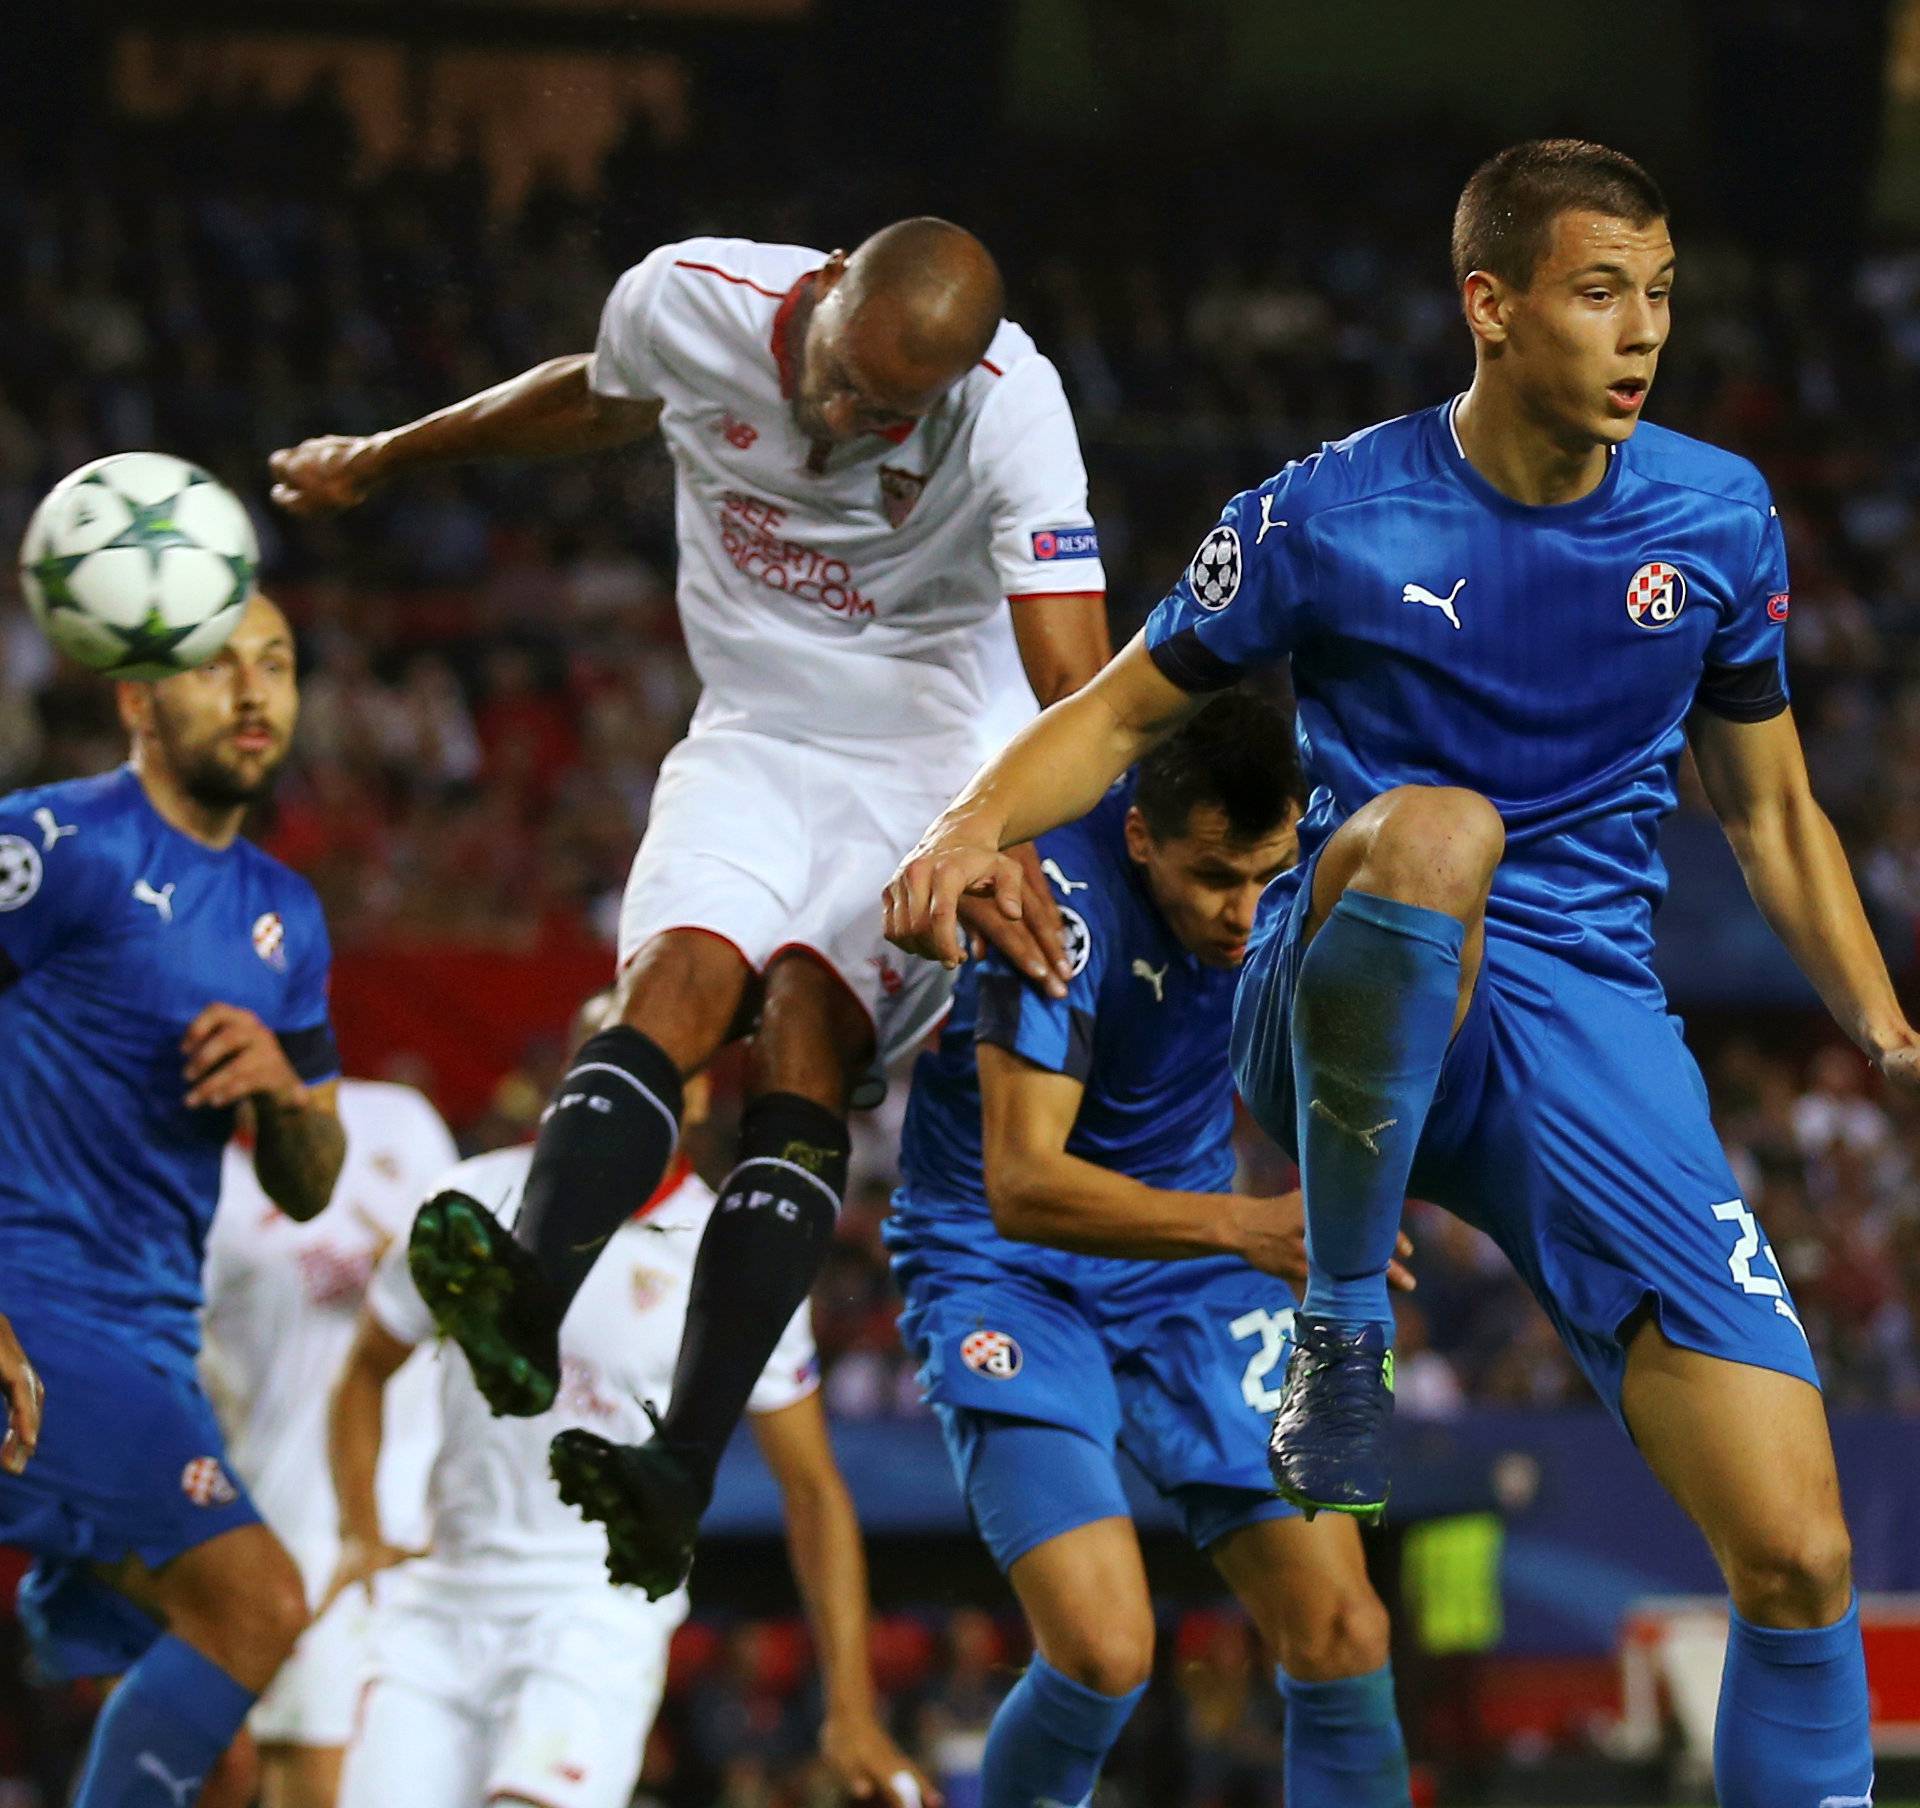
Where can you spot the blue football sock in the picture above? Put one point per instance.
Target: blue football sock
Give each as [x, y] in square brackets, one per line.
[162, 1731]
[1049, 1739]
[1372, 1015]
[1344, 1743]
[1792, 1731]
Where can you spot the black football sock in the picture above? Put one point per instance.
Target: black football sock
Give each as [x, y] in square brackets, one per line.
[764, 1244]
[604, 1146]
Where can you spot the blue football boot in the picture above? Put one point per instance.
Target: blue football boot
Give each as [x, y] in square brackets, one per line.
[1328, 1451]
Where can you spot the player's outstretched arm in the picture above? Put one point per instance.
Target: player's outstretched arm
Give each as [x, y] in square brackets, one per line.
[1755, 776]
[24, 1398]
[823, 1543]
[355, 1425]
[1056, 769]
[549, 411]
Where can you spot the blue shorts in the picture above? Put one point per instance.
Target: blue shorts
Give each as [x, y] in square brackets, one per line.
[1571, 1125]
[131, 1463]
[1041, 1372]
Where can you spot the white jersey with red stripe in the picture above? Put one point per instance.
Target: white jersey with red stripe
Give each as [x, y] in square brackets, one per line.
[283, 1299]
[498, 1530]
[854, 597]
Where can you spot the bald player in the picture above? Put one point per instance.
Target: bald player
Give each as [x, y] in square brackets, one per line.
[157, 972]
[885, 557]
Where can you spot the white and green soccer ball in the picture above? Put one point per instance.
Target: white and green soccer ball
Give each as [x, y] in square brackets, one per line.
[139, 565]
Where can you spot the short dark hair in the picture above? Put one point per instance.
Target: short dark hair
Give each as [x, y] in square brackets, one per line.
[1506, 211]
[1236, 754]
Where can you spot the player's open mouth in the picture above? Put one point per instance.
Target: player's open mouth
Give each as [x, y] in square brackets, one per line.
[1628, 393]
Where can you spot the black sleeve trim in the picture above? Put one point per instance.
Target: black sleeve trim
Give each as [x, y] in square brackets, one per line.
[1747, 692]
[998, 1022]
[1184, 659]
[10, 974]
[313, 1053]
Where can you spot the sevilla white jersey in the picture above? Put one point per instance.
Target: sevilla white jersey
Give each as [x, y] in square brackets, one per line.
[496, 1521]
[857, 597]
[282, 1302]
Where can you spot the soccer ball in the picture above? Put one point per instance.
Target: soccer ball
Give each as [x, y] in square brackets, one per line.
[139, 565]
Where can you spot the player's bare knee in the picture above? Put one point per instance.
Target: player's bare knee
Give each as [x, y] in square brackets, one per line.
[1333, 1637]
[683, 991]
[1795, 1573]
[255, 1627]
[1112, 1659]
[1432, 845]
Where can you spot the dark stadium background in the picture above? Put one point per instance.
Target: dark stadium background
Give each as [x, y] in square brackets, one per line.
[224, 225]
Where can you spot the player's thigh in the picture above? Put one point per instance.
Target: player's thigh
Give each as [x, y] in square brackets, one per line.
[237, 1599]
[689, 990]
[1746, 1451]
[1197, 1350]
[1086, 1599]
[1305, 1585]
[814, 1034]
[300, 1776]
[414, 1746]
[1591, 1158]
[586, 1684]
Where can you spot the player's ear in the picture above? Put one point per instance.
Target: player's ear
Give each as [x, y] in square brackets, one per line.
[830, 274]
[134, 701]
[1483, 299]
[1139, 836]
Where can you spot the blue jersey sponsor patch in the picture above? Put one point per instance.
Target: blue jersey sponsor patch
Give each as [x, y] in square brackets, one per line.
[1066, 543]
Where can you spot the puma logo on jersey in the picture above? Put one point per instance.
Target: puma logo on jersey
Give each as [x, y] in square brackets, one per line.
[161, 900]
[182, 1789]
[1069, 886]
[1156, 980]
[1419, 593]
[1267, 522]
[51, 829]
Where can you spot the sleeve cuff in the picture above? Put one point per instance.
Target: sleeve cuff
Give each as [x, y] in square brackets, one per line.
[1750, 691]
[1185, 660]
[312, 1053]
[1001, 1018]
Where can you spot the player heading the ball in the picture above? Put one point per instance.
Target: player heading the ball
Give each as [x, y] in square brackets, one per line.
[884, 557]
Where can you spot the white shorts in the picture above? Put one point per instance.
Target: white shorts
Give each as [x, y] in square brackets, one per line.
[551, 1704]
[773, 846]
[312, 1700]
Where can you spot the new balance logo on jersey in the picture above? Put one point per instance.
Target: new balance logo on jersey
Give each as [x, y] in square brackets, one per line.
[161, 900]
[51, 829]
[1267, 522]
[1419, 593]
[1157, 980]
[181, 1789]
[1067, 886]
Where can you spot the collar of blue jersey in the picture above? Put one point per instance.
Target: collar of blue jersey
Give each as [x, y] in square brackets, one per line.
[1454, 457]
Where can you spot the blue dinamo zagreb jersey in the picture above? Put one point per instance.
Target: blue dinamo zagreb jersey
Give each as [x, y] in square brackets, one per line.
[1440, 633]
[1143, 1027]
[116, 931]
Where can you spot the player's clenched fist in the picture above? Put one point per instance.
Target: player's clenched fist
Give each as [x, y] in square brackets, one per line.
[322, 476]
[231, 1055]
[922, 899]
